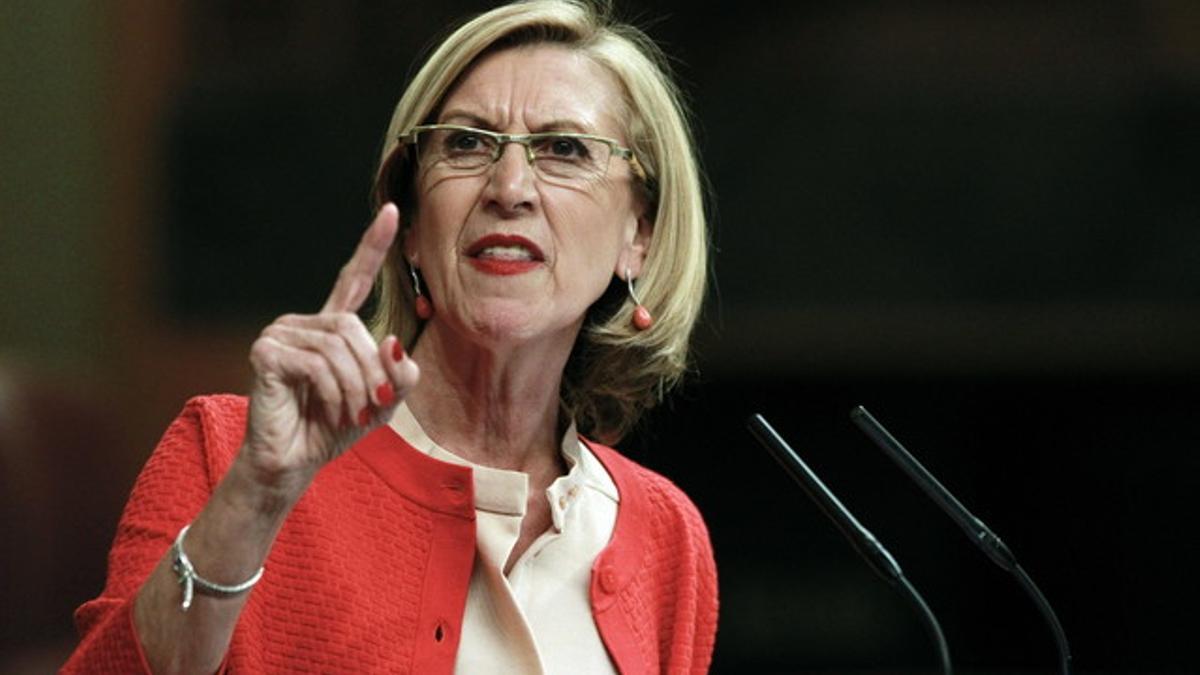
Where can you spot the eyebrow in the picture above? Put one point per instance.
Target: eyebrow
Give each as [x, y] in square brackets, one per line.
[474, 120]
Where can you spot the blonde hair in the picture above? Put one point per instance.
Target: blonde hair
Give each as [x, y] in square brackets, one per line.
[615, 372]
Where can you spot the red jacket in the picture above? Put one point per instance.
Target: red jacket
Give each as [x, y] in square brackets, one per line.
[370, 570]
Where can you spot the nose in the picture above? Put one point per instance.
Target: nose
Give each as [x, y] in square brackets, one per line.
[511, 183]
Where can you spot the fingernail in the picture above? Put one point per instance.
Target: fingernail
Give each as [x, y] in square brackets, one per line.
[397, 351]
[385, 394]
[364, 416]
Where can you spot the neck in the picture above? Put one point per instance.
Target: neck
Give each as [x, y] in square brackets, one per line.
[493, 406]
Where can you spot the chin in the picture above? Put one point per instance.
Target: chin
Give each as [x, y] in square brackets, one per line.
[501, 322]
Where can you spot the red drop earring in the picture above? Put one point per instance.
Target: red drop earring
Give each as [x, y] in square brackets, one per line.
[421, 304]
[641, 316]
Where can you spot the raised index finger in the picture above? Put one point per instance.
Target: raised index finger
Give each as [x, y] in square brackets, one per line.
[354, 281]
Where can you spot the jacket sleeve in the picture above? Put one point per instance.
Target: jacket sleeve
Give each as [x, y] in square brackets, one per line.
[173, 486]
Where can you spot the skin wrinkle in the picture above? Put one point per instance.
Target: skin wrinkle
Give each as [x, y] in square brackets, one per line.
[480, 122]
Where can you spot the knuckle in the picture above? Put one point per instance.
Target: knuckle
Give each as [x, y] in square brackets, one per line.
[312, 364]
[329, 342]
[330, 345]
[346, 321]
[263, 350]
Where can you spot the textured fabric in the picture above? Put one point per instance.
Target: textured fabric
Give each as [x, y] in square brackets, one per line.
[370, 571]
[537, 618]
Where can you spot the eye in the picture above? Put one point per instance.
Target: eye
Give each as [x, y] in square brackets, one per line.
[464, 142]
[563, 147]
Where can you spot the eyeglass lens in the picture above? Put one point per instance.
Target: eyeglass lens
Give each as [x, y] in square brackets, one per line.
[566, 157]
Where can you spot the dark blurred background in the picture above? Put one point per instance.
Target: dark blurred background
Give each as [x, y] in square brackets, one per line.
[979, 220]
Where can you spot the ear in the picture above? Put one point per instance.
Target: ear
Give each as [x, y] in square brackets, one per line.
[637, 243]
[410, 245]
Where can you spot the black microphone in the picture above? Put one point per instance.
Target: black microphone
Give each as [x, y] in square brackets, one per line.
[860, 538]
[976, 531]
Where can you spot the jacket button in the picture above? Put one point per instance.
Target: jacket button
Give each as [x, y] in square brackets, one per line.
[609, 582]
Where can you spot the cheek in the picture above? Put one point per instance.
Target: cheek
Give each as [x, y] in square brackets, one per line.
[589, 247]
[598, 222]
[445, 206]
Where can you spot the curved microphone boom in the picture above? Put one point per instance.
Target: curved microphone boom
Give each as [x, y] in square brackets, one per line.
[860, 538]
[976, 531]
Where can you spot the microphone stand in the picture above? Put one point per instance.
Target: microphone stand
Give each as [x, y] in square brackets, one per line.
[976, 531]
[859, 537]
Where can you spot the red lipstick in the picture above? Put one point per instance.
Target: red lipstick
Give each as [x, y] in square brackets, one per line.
[504, 254]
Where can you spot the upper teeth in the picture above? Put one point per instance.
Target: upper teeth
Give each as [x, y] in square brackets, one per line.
[506, 253]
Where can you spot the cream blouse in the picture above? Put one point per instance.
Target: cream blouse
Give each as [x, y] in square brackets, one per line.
[538, 618]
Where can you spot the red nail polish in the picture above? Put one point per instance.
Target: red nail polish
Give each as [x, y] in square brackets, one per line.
[385, 394]
[397, 351]
[364, 416]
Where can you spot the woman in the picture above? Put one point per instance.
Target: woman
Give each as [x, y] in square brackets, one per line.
[361, 513]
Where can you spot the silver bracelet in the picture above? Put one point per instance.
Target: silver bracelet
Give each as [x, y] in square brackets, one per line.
[192, 582]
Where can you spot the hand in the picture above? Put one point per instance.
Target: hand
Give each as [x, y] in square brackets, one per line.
[321, 379]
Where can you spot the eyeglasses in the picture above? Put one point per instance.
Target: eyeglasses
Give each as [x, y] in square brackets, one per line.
[557, 156]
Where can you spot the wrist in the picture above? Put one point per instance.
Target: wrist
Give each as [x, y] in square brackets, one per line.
[249, 488]
[193, 583]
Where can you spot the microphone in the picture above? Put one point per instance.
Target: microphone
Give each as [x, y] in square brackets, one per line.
[976, 531]
[860, 538]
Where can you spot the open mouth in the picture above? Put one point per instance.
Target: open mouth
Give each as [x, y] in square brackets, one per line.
[504, 254]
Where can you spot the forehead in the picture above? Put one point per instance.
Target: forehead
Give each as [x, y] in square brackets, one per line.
[535, 87]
